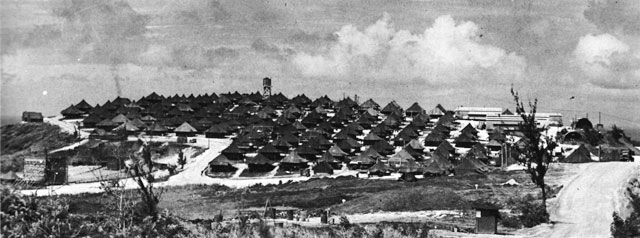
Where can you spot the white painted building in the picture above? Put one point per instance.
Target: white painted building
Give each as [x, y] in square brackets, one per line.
[510, 122]
[477, 113]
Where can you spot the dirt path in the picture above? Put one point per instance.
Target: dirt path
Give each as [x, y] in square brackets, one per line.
[585, 205]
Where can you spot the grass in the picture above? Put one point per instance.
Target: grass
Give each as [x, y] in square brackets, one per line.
[361, 195]
[203, 202]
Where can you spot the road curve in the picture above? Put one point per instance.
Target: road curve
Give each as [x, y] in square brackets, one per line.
[584, 207]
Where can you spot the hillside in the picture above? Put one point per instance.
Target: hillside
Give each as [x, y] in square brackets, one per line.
[19, 140]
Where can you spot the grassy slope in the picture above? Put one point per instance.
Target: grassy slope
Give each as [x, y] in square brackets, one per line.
[18, 140]
[361, 195]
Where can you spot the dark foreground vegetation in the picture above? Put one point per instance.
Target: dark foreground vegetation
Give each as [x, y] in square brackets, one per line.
[24, 216]
[188, 211]
[629, 226]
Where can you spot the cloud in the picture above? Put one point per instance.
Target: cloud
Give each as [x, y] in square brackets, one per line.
[98, 31]
[621, 16]
[191, 12]
[607, 61]
[446, 52]
[303, 37]
[260, 45]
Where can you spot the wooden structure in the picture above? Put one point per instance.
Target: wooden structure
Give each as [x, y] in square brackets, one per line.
[487, 216]
[34, 169]
[32, 117]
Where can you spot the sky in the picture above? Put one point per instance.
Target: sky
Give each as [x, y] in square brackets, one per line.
[576, 57]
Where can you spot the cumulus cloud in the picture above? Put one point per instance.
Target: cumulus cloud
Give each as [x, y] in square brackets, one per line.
[447, 51]
[607, 61]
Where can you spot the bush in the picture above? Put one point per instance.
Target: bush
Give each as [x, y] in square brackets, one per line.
[28, 216]
[629, 227]
[511, 221]
[344, 222]
[533, 214]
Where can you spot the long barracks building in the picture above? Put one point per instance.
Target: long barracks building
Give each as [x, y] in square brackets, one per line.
[497, 117]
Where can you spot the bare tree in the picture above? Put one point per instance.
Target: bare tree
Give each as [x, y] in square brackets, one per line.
[182, 160]
[141, 173]
[536, 153]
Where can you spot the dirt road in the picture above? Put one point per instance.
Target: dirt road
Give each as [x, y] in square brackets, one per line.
[584, 207]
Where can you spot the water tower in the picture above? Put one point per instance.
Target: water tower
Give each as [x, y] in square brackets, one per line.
[266, 84]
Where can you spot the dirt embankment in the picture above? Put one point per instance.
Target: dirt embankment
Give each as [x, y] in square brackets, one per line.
[20, 140]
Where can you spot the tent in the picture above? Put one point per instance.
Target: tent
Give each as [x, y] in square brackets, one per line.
[293, 161]
[437, 112]
[127, 128]
[383, 147]
[106, 124]
[337, 152]
[120, 118]
[281, 144]
[89, 121]
[380, 169]
[468, 129]
[438, 164]
[410, 167]
[307, 152]
[233, 152]
[400, 158]
[369, 104]
[579, 155]
[479, 152]
[335, 163]
[362, 159]
[185, 129]
[465, 140]
[365, 122]
[390, 107]
[498, 135]
[260, 163]
[446, 146]
[139, 123]
[221, 164]
[433, 169]
[416, 154]
[323, 167]
[371, 139]
[216, 131]
[84, 106]
[414, 110]
[494, 145]
[71, 112]
[157, 129]
[470, 165]
[293, 158]
[270, 151]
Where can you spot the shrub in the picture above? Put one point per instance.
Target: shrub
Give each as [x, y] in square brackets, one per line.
[629, 227]
[511, 221]
[344, 222]
[533, 214]
[28, 216]
[625, 227]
